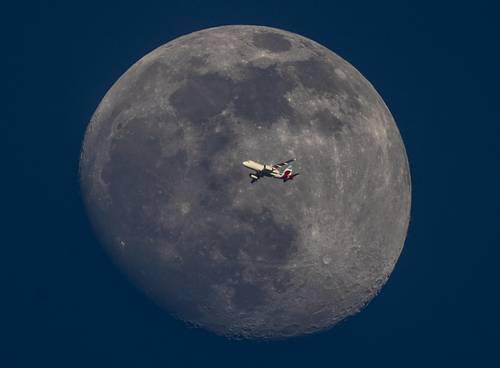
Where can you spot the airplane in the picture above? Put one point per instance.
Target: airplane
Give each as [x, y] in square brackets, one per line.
[283, 170]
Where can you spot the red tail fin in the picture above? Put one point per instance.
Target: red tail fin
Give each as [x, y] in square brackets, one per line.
[287, 176]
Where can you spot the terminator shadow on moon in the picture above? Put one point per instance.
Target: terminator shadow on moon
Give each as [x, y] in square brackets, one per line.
[266, 261]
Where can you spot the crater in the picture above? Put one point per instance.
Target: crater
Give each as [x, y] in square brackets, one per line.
[271, 242]
[248, 296]
[327, 123]
[261, 97]
[317, 75]
[197, 61]
[323, 77]
[135, 173]
[271, 41]
[202, 97]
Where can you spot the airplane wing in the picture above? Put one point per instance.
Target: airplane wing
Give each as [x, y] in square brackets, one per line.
[276, 166]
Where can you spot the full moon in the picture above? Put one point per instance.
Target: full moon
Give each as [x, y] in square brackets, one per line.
[163, 183]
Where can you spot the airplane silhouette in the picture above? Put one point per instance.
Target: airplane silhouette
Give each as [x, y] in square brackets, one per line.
[282, 170]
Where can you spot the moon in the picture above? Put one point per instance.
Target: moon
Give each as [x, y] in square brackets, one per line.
[164, 187]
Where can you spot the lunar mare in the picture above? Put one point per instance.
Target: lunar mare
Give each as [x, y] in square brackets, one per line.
[164, 187]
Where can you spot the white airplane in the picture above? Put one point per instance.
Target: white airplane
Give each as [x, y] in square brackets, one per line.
[283, 170]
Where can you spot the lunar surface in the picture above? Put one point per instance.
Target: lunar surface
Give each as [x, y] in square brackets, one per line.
[164, 186]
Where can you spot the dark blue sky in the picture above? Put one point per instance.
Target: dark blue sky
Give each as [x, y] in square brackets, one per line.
[435, 65]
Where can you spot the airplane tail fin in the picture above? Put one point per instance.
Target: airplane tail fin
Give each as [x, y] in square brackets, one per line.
[290, 177]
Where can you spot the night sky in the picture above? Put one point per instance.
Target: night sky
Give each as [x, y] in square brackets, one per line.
[65, 303]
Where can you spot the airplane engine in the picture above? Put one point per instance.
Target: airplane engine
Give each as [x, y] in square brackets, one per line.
[253, 176]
